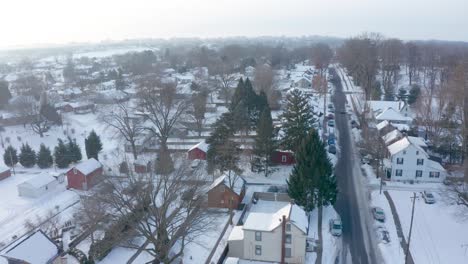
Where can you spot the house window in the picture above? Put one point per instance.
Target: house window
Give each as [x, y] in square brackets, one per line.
[75, 171]
[258, 250]
[288, 227]
[417, 152]
[399, 161]
[404, 152]
[398, 172]
[418, 173]
[288, 252]
[258, 236]
[420, 162]
[283, 158]
[288, 239]
[434, 174]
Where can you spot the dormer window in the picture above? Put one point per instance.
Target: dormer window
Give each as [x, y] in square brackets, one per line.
[404, 152]
[75, 171]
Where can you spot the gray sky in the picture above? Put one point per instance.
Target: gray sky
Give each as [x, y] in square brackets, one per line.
[28, 22]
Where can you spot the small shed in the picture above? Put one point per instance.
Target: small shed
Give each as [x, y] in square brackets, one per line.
[198, 152]
[36, 248]
[5, 172]
[283, 157]
[226, 192]
[84, 175]
[37, 186]
[141, 166]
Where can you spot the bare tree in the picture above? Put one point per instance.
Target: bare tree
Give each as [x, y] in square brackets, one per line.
[127, 125]
[390, 59]
[265, 81]
[199, 110]
[172, 207]
[159, 105]
[92, 215]
[226, 81]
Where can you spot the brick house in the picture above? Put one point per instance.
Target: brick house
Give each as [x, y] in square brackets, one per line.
[5, 172]
[222, 195]
[283, 157]
[198, 152]
[84, 175]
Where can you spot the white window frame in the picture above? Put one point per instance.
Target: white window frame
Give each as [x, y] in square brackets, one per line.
[401, 173]
[258, 236]
[284, 158]
[258, 250]
[286, 249]
[288, 239]
[400, 161]
[419, 173]
[418, 163]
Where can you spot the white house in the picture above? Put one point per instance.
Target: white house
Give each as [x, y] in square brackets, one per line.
[393, 116]
[261, 237]
[377, 107]
[37, 186]
[37, 248]
[408, 161]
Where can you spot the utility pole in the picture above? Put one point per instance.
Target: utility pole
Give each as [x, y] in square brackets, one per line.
[410, 229]
[12, 165]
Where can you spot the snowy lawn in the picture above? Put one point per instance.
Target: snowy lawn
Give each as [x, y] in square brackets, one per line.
[440, 233]
[279, 176]
[331, 244]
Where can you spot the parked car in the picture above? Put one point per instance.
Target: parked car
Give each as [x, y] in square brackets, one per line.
[354, 124]
[332, 149]
[383, 234]
[365, 160]
[378, 214]
[428, 197]
[335, 227]
[331, 123]
[330, 105]
[331, 116]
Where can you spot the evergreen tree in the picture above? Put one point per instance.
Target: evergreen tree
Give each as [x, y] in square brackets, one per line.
[5, 94]
[297, 120]
[73, 151]
[312, 182]
[414, 93]
[10, 157]
[93, 145]
[44, 157]
[238, 95]
[61, 155]
[27, 156]
[265, 142]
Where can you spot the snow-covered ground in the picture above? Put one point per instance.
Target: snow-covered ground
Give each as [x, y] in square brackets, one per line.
[440, 233]
[277, 177]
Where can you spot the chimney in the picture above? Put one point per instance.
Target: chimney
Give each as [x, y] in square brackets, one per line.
[283, 239]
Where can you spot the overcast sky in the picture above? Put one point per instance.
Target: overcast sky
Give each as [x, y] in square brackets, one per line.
[28, 22]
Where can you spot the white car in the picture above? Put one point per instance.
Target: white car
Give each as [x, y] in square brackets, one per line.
[336, 227]
[428, 197]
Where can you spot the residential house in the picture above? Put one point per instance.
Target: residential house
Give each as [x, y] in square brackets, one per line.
[38, 185]
[408, 161]
[226, 192]
[5, 172]
[84, 175]
[283, 157]
[274, 231]
[377, 107]
[36, 248]
[198, 152]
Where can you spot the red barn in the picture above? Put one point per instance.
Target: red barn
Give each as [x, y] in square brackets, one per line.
[283, 157]
[221, 195]
[198, 152]
[84, 175]
[142, 167]
[4, 172]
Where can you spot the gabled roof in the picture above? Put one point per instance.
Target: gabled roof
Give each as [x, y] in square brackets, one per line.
[379, 106]
[3, 169]
[267, 216]
[392, 115]
[88, 166]
[434, 165]
[39, 180]
[382, 125]
[417, 141]
[403, 144]
[391, 136]
[35, 249]
[238, 184]
[203, 146]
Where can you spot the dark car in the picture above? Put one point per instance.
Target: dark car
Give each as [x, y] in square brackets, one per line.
[332, 149]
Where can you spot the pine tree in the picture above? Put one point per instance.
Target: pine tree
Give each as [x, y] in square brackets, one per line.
[93, 145]
[297, 120]
[265, 142]
[312, 182]
[73, 150]
[10, 157]
[44, 157]
[61, 155]
[238, 95]
[27, 156]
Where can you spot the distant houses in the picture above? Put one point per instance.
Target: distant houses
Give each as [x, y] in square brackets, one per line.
[84, 175]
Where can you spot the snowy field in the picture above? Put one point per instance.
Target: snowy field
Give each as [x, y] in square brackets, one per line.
[440, 233]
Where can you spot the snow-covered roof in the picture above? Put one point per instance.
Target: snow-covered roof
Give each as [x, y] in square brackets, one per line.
[3, 169]
[393, 115]
[39, 180]
[401, 127]
[382, 124]
[237, 233]
[203, 146]
[35, 249]
[238, 184]
[267, 216]
[434, 165]
[88, 166]
[391, 136]
[380, 106]
[417, 141]
[401, 145]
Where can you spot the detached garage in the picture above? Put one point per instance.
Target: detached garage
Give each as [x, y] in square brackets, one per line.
[37, 186]
[4, 173]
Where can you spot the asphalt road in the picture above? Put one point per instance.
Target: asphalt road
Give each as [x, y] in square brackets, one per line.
[350, 203]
